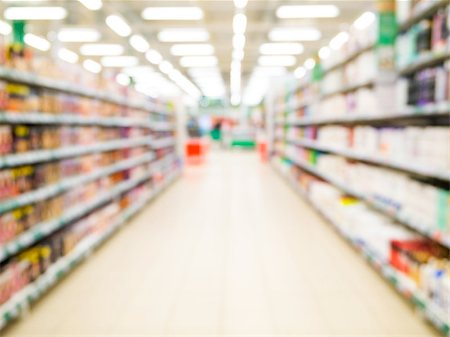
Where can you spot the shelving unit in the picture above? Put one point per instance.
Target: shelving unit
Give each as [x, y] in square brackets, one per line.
[401, 284]
[297, 149]
[146, 164]
[21, 301]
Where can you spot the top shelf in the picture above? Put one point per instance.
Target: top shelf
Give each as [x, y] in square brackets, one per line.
[63, 86]
[428, 10]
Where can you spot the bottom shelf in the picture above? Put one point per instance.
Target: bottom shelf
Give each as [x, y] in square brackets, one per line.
[21, 301]
[406, 287]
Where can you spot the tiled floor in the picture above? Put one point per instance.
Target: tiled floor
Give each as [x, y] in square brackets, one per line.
[229, 250]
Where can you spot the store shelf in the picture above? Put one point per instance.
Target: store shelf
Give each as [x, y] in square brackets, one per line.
[163, 142]
[410, 167]
[349, 58]
[404, 286]
[162, 126]
[21, 301]
[428, 111]
[424, 61]
[33, 157]
[62, 119]
[347, 89]
[66, 184]
[41, 230]
[443, 239]
[57, 85]
[427, 9]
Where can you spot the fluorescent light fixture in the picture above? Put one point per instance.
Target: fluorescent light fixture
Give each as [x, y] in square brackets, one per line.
[238, 41]
[285, 60]
[78, 35]
[139, 43]
[310, 63]
[183, 35]
[68, 55]
[235, 65]
[240, 3]
[307, 11]
[118, 25]
[238, 54]
[153, 57]
[93, 5]
[239, 23]
[295, 34]
[37, 42]
[172, 13]
[119, 61]
[198, 61]
[5, 28]
[123, 79]
[101, 49]
[35, 13]
[324, 52]
[92, 66]
[364, 21]
[191, 49]
[300, 72]
[165, 67]
[339, 40]
[292, 48]
[269, 71]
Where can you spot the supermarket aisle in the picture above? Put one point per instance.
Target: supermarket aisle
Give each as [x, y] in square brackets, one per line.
[228, 250]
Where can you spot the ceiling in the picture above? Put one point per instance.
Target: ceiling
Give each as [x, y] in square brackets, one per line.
[217, 20]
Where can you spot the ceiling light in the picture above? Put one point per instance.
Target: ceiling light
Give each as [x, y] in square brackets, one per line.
[153, 56]
[307, 11]
[165, 67]
[100, 49]
[139, 43]
[78, 35]
[239, 23]
[237, 54]
[183, 35]
[292, 48]
[92, 66]
[123, 79]
[364, 21]
[198, 61]
[269, 71]
[172, 13]
[285, 60]
[37, 42]
[68, 55]
[339, 40]
[5, 28]
[118, 25]
[236, 65]
[35, 13]
[295, 34]
[324, 52]
[93, 5]
[310, 63]
[238, 41]
[119, 61]
[300, 72]
[191, 49]
[240, 3]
